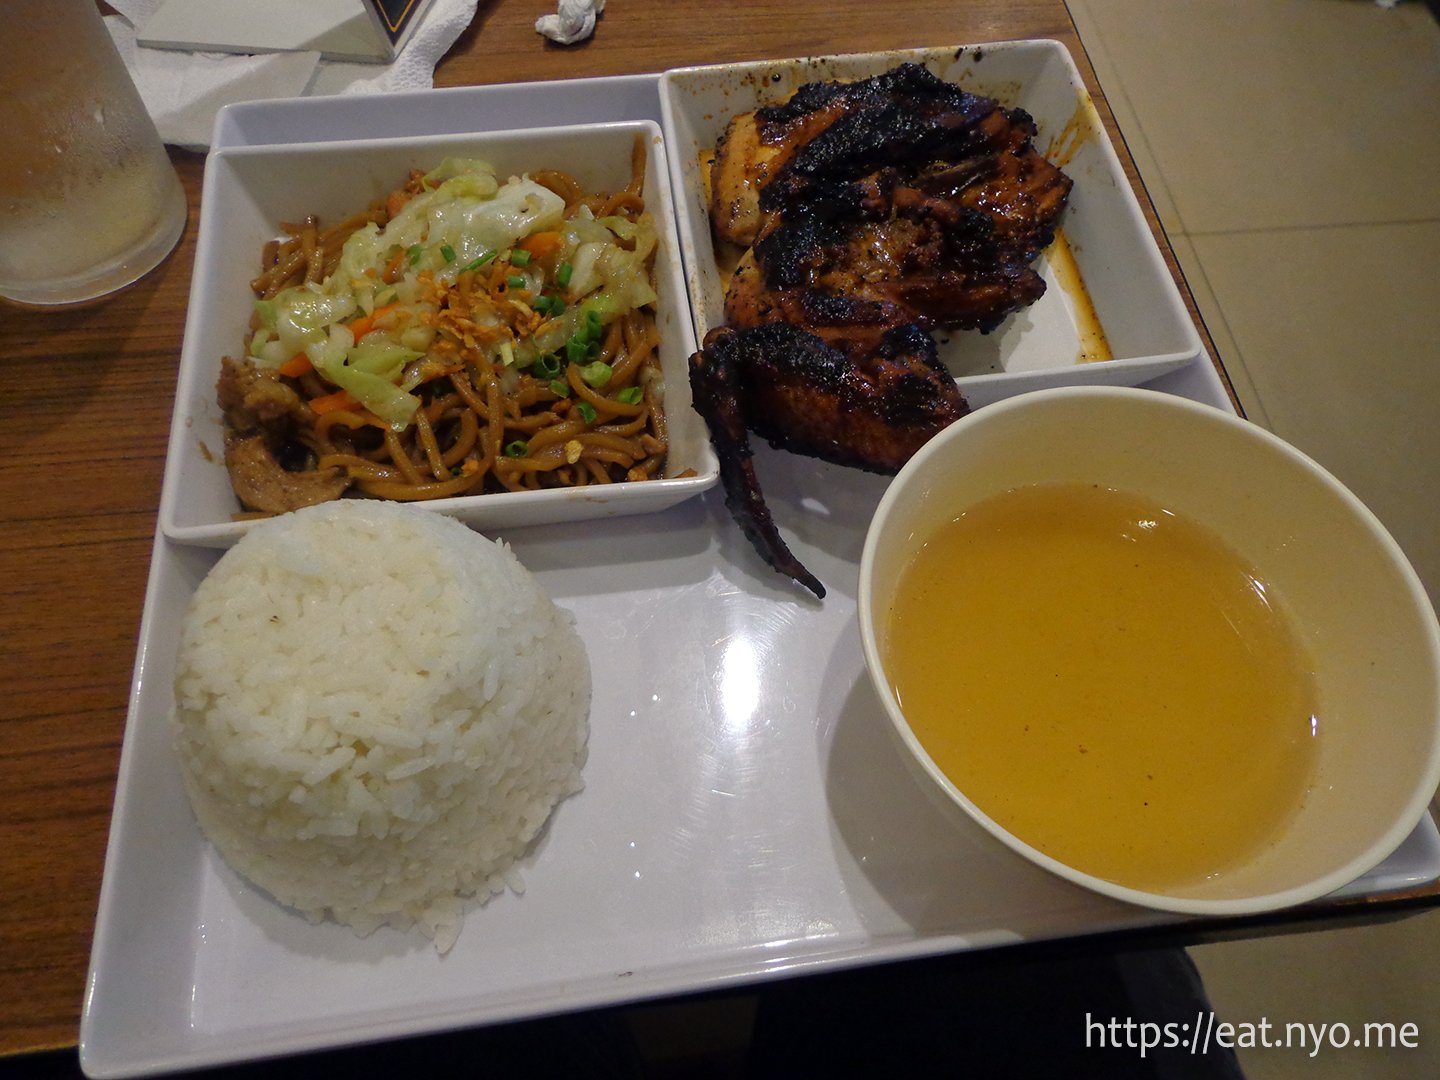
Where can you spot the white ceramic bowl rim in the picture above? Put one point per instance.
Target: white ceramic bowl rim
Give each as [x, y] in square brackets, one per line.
[1404, 823]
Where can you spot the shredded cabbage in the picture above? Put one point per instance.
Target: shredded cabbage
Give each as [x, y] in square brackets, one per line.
[463, 217]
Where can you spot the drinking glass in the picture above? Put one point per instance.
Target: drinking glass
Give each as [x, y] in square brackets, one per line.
[89, 200]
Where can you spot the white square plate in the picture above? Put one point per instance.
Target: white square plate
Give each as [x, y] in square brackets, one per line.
[250, 190]
[1125, 280]
[745, 816]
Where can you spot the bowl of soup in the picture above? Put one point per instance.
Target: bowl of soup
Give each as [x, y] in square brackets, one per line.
[1155, 649]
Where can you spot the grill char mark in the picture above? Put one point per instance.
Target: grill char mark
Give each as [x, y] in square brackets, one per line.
[882, 210]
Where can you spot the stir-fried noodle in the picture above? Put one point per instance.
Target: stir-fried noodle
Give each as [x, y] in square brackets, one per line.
[433, 362]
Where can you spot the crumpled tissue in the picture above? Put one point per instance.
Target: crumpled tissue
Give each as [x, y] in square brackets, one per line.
[184, 90]
[573, 21]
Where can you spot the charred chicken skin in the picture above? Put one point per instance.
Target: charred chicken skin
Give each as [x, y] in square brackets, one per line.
[874, 212]
[871, 411]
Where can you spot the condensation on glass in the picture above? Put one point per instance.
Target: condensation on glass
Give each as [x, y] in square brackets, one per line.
[89, 201]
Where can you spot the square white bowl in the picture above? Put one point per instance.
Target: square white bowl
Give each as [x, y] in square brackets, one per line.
[250, 190]
[1125, 280]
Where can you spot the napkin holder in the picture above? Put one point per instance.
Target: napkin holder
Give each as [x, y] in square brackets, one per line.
[368, 31]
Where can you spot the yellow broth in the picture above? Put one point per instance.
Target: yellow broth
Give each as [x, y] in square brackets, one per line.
[1106, 680]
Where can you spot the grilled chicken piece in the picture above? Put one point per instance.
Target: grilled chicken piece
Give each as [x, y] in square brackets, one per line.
[910, 191]
[755, 146]
[875, 211]
[912, 258]
[742, 166]
[872, 411]
[833, 133]
[851, 322]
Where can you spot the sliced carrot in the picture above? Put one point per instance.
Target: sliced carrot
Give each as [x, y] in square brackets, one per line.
[541, 244]
[365, 323]
[296, 366]
[395, 268]
[395, 202]
[340, 399]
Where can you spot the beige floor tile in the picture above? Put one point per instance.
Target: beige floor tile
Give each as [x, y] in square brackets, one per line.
[1132, 131]
[1279, 113]
[1339, 331]
[1370, 974]
[1261, 119]
[1226, 348]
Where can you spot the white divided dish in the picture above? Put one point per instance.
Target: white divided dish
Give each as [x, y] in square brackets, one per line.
[1123, 280]
[250, 190]
[747, 812]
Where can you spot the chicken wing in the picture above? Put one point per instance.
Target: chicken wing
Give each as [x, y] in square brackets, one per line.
[789, 387]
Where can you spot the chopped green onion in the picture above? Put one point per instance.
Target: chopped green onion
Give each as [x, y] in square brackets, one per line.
[518, 448]
[542, 304]
[414, 252]
[515, 281]
[562, 274]
[546, 366]
[586, 410]
[557, 305]
[448, 252]
[631, 395]
[593, 326]
[519, 257]
[596, 374]
[575, 351]
[480, 261]
[559, 387]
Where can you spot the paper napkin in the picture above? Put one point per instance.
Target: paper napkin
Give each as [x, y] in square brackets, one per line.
[574, 20]
[184, 90]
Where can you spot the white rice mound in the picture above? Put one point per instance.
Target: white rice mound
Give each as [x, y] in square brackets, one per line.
[377, 711]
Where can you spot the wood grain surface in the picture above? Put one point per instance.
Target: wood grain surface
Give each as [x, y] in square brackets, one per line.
[85, 402]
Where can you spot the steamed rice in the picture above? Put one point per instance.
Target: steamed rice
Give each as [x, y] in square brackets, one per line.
[377, 711]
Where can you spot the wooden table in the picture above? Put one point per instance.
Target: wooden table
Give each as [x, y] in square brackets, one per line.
[85, 402]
